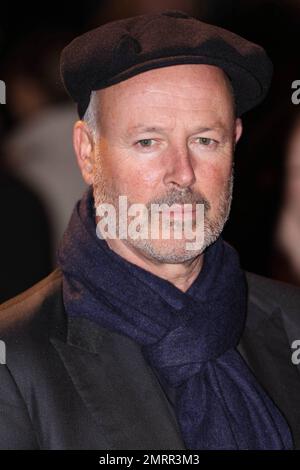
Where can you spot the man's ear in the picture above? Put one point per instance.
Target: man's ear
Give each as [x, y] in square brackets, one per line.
[84, 148]
[238, 129]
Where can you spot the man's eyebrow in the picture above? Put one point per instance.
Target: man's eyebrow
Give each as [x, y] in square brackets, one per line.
[143, 128]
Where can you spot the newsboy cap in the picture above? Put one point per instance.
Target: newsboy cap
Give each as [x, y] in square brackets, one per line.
[123, 48]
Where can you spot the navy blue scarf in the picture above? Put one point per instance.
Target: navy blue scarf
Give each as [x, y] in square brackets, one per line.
[190, 337]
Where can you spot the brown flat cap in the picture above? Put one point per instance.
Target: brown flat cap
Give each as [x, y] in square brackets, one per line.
[121, 49]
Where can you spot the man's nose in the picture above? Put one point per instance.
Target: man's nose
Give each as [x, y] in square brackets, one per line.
[179, 168]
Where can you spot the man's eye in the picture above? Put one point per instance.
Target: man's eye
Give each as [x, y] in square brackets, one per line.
[206, 141]
[145, 142]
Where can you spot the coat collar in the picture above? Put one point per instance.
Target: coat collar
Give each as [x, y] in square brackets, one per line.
[118, 387]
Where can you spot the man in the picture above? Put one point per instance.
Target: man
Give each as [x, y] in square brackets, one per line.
[146, 342]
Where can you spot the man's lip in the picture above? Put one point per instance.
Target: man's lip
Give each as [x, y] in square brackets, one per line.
[182, 210]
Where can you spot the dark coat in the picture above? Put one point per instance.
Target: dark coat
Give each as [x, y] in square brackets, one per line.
[74, 385]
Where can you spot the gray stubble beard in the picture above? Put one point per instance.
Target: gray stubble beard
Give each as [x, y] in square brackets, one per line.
[212, 228]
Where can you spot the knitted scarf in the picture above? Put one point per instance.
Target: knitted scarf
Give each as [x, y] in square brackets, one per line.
[190, 337]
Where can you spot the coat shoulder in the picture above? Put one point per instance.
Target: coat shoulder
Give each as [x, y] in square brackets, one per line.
[39, 308]
[269, 294]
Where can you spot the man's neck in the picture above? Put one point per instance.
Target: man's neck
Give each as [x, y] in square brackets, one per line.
[181, 275]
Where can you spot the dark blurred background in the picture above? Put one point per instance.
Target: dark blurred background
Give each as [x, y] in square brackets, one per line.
[39, 179]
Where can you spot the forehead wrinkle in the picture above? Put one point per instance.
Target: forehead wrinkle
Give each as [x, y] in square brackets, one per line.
[207, 84]
[171, 94]
[180, 109]
[168, 85]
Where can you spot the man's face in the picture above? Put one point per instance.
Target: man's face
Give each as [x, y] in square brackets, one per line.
[167, 136]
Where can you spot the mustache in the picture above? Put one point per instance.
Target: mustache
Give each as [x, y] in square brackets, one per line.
[181, 197]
